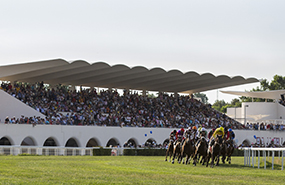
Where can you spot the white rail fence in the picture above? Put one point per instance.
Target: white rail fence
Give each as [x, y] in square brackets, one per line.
[34, 150]
[250, 155]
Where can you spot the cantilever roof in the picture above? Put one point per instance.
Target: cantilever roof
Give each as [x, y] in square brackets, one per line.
[275, 95]
[100, 74]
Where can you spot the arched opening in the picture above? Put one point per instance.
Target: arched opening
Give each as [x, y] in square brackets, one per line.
[150, 143]
[5, 141]
[92, 143]
[112, 142]
[131, 143]
[246, 143]
[28, 141]
[50, 142]
[165, 142]
[71, 143]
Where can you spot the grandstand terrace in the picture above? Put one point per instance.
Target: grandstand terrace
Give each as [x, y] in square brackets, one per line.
[59, 103]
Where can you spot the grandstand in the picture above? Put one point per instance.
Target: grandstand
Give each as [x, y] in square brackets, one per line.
[103, 118]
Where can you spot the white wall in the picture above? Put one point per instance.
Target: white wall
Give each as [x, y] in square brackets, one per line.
[82, 134]
[11, 106]
[258, 111]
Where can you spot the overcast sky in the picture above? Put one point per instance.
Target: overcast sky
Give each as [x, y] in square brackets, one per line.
[230, 37]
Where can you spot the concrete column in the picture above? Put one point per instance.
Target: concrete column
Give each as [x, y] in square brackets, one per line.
[144, 92]
[175, 94]
[72, 88]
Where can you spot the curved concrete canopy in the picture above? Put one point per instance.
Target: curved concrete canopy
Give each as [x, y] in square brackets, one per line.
[275, 94]
[100, 74]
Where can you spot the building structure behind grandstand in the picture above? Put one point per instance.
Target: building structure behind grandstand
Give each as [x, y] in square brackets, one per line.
[58, 115]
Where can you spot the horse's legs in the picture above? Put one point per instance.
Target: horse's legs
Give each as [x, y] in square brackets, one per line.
[218, 160]
[212, 162]
[167, 152]
[173, 157]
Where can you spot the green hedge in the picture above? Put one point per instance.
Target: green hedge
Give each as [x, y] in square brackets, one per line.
[145, 152]
[238, 152]
[101, 151]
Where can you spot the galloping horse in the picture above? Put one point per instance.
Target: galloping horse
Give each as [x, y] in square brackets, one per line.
[214, 154]
[188, 149]
[230, 150]
[201, 149]
[223, 151]
[169, 150]
[177, 151]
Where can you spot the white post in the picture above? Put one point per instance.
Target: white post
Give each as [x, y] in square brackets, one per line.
[252, 158]
[82, 151]
[264, 156]
[249, 157]
[244, 157]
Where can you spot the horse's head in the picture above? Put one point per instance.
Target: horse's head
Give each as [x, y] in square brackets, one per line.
[219, 140]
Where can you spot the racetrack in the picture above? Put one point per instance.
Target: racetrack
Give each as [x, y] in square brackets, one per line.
[128, 170]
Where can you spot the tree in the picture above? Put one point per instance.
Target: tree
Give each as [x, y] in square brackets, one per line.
[203, 97]
[219, 104]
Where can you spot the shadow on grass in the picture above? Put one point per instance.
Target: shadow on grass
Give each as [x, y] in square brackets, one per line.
[268, 165]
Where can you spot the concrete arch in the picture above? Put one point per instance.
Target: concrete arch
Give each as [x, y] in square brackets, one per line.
[29, 141]
[165, 142]
[72, 142]
[93, 142]
[150, 142]
[132, 142]
[51, 141]
[113, 141]
[6, 140]
[246, 142]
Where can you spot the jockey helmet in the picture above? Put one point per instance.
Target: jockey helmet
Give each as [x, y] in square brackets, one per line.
[230, 130]
[203, 129]
[182, 129]
[194, 128]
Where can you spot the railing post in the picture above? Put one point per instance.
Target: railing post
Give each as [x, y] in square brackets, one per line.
[252, 158]
[264, 159]
[244, 157]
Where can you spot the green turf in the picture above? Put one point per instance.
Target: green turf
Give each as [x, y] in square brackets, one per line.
[128, 170]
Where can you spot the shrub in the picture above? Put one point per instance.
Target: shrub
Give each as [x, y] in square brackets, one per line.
[101, 151]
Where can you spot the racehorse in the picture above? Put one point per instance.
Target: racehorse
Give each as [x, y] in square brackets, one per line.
[187, 150]
[177, 151]
[223, 151]
[201, 150]
[214, 153]
[230, 150]
[169, 150]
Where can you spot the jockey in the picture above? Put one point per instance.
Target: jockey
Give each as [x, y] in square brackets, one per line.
[172, 134]
[179, 135]
[211, 133]
[232, 134]
[194, 133]
[202, 133]
[219, 132]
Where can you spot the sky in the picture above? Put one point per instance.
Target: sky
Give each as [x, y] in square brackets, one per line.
[223, 37]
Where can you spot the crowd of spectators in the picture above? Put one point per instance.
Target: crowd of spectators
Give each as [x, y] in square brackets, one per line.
[264, 126]
[62, 106]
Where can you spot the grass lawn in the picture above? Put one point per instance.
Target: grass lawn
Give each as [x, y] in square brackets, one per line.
[128, 170]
